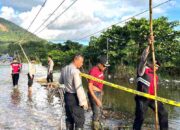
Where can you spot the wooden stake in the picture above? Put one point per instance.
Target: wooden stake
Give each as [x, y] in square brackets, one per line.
[154, 63]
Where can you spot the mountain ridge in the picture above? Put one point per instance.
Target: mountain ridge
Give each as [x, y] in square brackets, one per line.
[11, 33]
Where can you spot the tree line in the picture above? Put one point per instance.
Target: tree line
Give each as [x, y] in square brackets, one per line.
[126, 44]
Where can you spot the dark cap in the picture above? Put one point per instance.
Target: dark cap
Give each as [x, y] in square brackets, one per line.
[103, 60]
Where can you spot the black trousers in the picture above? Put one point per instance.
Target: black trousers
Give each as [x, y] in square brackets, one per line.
[142, 105]
[30, 80]
[74, 113]
[15, 78]
[50, 77]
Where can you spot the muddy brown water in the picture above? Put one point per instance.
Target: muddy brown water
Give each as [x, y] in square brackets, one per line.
[20, 112]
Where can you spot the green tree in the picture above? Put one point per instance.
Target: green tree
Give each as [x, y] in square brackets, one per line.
[127, 42]
[70, 45]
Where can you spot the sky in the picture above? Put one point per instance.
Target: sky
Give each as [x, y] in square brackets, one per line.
[83, 18]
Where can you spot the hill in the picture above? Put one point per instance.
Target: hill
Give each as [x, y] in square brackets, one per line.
[10, 33]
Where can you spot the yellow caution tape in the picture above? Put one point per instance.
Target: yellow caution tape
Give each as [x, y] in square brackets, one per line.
[164, 100]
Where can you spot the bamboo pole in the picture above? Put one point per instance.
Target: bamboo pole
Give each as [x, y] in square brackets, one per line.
[23, 51]
[154, 63]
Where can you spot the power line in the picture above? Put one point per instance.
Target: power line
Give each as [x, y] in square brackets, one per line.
[43, 28]
[59, 15]
[123, 20]
[36, 15]
[29, 28]
[49, 16]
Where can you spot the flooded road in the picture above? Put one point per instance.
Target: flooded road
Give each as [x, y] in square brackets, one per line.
[20, 112]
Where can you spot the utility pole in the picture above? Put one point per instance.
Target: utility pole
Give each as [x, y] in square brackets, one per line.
[107, 55]
[107, 50]
[107, 45]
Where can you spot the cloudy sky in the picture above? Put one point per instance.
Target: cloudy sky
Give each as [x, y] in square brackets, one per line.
[83, 18]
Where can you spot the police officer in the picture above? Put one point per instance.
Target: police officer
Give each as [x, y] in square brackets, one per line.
[50, 71]
[75, 98]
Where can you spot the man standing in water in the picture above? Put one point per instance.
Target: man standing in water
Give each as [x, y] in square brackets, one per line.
[50, 72]
[31, 73]
[145, 83]
[95, 91]
[74, 97]
[16, 67]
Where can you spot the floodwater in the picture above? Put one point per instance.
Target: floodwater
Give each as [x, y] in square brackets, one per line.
[121, 101]
[18, 111]
[42, 111]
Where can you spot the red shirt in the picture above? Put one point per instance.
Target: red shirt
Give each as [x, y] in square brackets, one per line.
[16, 67]
[96, 72]
[150, 73]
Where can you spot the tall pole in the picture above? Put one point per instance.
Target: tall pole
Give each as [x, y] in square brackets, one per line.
[154, 62]
[107, 50]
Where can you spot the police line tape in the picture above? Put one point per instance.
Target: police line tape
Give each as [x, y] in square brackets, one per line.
[164, 100]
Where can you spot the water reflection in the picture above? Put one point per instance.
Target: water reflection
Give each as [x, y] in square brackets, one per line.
[50, 95]
[15, 96]
[30, 94]
[23, 109]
